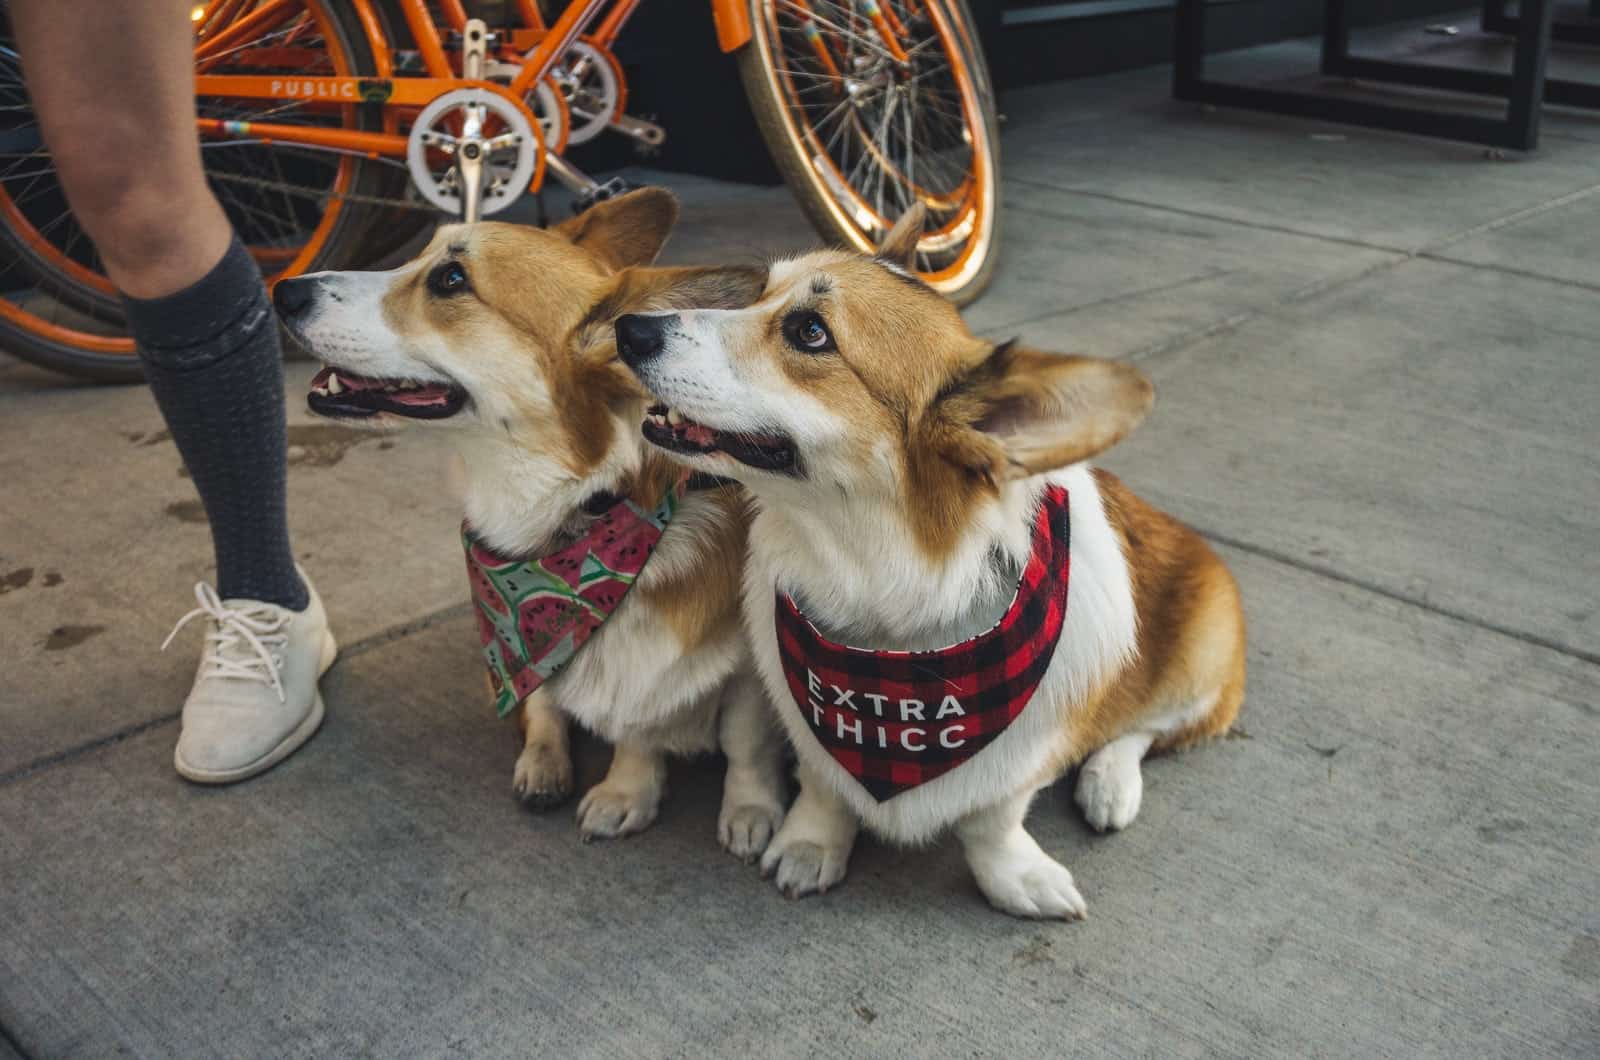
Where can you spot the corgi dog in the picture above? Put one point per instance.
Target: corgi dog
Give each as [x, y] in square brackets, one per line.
[949, 607]
[500, 336]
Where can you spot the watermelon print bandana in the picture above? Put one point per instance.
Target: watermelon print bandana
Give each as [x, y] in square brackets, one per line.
[535, 613]
[897, 719]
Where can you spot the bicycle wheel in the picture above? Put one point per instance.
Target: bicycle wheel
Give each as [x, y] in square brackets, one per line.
[862, 128]
[293, 207]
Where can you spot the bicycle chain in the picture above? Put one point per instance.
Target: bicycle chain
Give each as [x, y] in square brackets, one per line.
[322, 194]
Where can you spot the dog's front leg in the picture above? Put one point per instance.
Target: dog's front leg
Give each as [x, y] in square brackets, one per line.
[629, 797]
[543, 776]
[812, 850]
[1013, 872]
[752, 791]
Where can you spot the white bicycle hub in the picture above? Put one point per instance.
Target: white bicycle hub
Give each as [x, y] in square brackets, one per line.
[481, 173]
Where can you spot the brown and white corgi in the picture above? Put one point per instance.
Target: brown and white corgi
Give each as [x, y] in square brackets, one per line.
[924, 513]
[501, 336]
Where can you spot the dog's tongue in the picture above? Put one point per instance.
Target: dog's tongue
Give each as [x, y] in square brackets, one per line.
[416, 395]
[700, 435]
[426, 394]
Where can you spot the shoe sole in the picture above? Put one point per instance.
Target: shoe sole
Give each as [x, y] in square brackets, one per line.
[286, 747]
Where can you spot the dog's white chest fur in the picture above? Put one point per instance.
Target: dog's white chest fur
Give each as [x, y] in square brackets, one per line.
[633, 680]
[1096, 641]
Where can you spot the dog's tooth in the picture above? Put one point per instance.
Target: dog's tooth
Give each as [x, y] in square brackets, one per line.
[334, 386]
[674, 417]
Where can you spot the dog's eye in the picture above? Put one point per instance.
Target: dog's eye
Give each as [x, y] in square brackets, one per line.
[449, 278]
[807, 333]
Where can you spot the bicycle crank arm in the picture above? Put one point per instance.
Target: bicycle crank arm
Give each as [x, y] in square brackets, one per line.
[470, 149]
[575, 179]
[646, 132]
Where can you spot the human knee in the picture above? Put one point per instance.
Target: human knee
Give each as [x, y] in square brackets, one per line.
[133, 226]
[136, 216]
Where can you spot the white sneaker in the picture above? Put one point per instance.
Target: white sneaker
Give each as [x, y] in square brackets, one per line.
[255, 698]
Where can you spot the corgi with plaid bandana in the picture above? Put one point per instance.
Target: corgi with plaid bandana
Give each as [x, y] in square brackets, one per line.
[950, 609]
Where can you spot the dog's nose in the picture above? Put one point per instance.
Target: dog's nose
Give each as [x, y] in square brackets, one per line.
[640, 338]
[292, 296]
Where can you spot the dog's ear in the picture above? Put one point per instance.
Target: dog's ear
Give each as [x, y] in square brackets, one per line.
[628, 230]
[1022, 412]
[899, 247]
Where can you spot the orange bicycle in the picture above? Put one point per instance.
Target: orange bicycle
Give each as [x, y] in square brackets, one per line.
[333, 130]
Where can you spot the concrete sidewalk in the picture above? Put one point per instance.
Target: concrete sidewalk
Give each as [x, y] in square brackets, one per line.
[1379, 365]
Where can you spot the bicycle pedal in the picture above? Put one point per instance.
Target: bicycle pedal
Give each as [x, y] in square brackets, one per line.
[601, 193]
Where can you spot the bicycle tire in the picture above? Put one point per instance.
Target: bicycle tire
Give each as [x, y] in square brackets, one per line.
[89, 356]
[781, 129]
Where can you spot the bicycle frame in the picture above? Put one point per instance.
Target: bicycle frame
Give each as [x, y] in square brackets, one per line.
[548, 43]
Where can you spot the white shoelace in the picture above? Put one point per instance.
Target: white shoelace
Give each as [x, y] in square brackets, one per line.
[260, 628]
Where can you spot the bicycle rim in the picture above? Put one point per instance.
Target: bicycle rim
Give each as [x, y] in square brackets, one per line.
[872, 135]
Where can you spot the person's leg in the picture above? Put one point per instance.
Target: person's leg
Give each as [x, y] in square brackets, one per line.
[112, 82]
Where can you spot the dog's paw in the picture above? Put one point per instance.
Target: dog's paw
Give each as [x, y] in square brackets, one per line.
[608, 811]
[1110, 789]
[1031, 885]
[746, 830]
[800, 864]
[543, 776]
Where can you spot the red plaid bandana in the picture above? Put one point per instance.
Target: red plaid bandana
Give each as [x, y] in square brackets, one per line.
[896, 719]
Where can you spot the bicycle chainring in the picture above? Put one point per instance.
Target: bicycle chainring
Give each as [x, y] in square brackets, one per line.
[510, 149]
[540, 99]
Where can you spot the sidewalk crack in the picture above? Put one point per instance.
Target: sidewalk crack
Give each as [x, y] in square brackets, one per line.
[1357, 582]
[9, 1040]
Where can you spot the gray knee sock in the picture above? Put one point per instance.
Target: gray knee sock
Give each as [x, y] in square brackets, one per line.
[211, 355]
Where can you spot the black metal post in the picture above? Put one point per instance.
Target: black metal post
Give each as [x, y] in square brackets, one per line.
[1188, 65]
[1335, 37]
[1527, 72]
[1497, 19]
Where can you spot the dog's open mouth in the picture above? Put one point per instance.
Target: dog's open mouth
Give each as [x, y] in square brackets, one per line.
[674, 432]
[336, 392]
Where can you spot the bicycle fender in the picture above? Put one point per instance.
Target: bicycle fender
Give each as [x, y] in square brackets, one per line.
[732, 18]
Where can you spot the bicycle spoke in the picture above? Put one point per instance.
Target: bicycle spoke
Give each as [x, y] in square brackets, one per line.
[882, 134]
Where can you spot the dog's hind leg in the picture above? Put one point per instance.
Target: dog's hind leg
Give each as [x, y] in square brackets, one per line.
[543, 776]
[753, 789]
[1193, 696]
[1110, 785]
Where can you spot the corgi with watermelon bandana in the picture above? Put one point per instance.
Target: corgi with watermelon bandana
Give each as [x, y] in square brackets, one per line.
[949, 607]
[604, 579]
